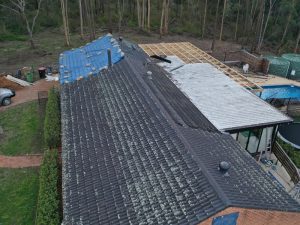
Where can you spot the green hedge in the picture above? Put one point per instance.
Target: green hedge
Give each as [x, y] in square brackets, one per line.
[48, 201]
[52, 127]
[292, 152]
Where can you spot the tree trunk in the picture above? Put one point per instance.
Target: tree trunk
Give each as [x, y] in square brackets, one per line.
[222, 23]
[143, 14]
[138, 13]
[266, 25]
[81, 19]
[297, 42]
[259, 26]
[149, 15]
[64, 16]
[215, 27]
[110, 28]
[204, 19]
[237, 21]
[286, 27]
[166, 26]
[162, 18]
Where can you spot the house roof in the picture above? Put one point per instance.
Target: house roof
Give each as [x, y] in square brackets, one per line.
[130, 157]
[189, 53]
[89, 59]
[224, 102]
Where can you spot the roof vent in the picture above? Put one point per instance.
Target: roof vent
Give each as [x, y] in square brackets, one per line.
[224, 166]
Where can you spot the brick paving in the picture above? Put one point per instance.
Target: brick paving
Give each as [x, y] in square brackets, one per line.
[27, 94]
[20, 161]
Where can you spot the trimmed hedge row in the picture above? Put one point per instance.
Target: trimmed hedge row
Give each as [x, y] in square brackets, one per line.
[48, 201]
[52, 128]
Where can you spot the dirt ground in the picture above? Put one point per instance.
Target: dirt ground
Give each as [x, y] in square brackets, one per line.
[17, 54]
[4, 83]
[30, 93]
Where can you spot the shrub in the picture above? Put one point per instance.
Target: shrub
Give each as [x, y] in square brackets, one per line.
[48, 200]
[52, 127]
[292, 152]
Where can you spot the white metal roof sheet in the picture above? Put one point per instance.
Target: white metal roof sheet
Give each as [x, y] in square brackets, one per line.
[224, 102]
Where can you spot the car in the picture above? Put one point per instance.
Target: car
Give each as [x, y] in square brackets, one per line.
[5, 96]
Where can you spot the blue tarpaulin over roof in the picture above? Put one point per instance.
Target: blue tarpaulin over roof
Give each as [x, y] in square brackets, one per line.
[89, 59]
[229, 219]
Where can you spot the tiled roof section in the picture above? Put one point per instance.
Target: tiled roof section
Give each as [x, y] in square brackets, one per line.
[246, 184]
[123, 161]
[179, 107]
[88, 60]
[180, 103]
[126, 161]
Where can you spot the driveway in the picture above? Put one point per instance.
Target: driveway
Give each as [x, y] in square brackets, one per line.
[30, 93]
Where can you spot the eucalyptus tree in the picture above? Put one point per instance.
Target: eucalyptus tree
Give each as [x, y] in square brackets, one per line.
[19, 7]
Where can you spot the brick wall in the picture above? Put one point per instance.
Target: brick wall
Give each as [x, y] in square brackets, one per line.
[259, 217]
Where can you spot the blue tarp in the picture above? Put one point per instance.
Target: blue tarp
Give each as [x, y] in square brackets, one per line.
[230, 219]
[89, 59]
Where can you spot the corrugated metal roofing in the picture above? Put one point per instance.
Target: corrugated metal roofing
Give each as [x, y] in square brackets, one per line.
[126, 161]
[225, 103]
[89, 59]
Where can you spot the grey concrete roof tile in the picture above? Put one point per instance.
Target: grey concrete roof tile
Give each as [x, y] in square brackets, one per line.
[126, 160]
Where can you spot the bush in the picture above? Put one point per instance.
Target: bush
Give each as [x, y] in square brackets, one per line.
[52, 127]
[48, 200]
[292, 152]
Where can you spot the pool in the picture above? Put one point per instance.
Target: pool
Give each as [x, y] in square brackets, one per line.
[281, 92]
[290, 134]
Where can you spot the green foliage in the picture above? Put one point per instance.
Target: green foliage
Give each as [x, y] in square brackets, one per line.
[23, 130]
[48, 200]
[292, 152]
[52, 128]
[12, 37]
[18, 196]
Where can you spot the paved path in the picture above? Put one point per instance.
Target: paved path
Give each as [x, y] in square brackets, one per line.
[30, 93]
[20, 161]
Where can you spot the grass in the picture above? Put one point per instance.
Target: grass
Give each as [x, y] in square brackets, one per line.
[18, 196]
[12, 37]
[23, 130]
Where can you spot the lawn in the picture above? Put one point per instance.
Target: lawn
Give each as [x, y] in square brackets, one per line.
[18, 196]
[23, 130]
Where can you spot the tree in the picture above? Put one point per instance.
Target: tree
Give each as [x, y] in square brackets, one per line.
[215, 26]
[81, 18]
[262, 36]
[164, 21]
[64, 11]
[120, 12]
[204, 19]
[237, 21]
[19, 7]
[297, 42]
[290, 6]
[223, 16]
[149, 15]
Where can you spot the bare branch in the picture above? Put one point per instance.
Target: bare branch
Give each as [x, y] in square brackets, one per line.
[7, 7]
[36, 15]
